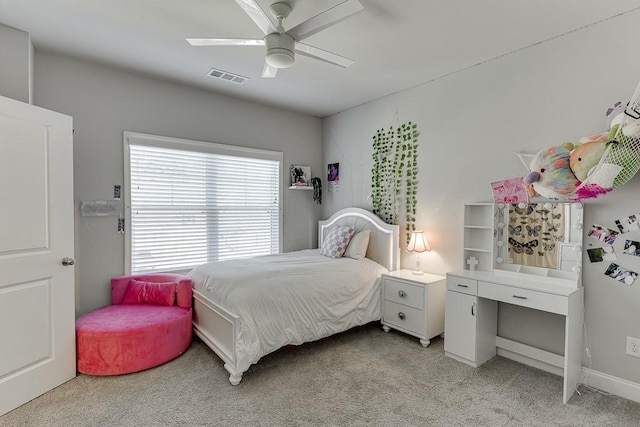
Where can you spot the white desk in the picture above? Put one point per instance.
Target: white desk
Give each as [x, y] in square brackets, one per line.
[471, 317]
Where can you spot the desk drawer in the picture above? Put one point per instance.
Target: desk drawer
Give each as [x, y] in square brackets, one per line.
[462, 284]
[405, 317]
[524, 297]
[404, 293]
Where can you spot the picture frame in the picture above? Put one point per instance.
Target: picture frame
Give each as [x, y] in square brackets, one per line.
[300, 176]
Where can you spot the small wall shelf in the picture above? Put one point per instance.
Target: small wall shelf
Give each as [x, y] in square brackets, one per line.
[301, 187]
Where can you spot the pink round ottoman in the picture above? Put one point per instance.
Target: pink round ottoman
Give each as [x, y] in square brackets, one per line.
[124, 338]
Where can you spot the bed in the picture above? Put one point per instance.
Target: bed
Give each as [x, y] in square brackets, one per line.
[244, 309]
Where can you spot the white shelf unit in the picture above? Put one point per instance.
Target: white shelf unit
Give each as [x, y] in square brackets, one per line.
[478, 235]
[300, 187]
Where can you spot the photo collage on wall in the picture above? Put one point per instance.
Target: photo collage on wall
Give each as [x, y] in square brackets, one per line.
[607, 253]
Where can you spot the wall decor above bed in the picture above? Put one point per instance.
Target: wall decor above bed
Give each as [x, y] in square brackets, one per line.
[394, 175]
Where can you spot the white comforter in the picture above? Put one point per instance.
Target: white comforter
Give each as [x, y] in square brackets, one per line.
[291, 298]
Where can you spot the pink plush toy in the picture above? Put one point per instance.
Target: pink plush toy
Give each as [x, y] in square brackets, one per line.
[550, 175]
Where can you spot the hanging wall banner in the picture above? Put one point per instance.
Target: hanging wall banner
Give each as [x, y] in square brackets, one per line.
[333, 177]
[510, 190]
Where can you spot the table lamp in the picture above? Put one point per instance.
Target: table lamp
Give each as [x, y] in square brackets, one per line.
[418, 243]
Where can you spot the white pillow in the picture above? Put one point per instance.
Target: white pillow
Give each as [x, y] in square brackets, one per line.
[336, 241]
[358, 245]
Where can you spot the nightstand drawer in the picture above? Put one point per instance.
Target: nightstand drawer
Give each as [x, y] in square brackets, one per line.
[405, 317]
[462, 284]
[524, 297]
[404, 293]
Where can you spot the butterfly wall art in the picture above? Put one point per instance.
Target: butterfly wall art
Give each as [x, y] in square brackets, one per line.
[533, 232]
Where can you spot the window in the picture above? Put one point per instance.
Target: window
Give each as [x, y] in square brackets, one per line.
[192, 202]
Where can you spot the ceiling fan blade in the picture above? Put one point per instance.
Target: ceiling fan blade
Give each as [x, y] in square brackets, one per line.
[225, 42]
[325, 19]
[252, 9]
[322, 55]
[268, 71]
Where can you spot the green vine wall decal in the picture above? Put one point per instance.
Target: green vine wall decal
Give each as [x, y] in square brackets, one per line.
[394, 175]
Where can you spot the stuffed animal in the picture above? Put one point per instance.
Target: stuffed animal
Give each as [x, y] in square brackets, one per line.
[587, 154]
[550, 175]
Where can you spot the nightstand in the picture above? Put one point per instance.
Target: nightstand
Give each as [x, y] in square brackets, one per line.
[414, 304]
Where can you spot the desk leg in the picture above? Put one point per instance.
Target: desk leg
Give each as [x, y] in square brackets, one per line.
[573, 345]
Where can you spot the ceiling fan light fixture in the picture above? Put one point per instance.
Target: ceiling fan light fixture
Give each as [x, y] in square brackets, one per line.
[280, 50]
[280, 58]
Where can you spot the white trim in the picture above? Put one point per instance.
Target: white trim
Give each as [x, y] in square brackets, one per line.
[127, 205]
[614, 385]
[202, 146]
[599, 380]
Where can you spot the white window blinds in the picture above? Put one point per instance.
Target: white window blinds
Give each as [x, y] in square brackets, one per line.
[190, 206]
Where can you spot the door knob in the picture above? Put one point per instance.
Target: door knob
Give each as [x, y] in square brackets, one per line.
[66, 261]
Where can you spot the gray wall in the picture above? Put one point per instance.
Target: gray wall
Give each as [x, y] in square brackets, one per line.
[471, 123]
[105, 101]
[16, 64]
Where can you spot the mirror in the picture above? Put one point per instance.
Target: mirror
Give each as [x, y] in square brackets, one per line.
[545, 235]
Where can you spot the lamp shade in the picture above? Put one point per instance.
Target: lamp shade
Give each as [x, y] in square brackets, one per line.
[418, 243]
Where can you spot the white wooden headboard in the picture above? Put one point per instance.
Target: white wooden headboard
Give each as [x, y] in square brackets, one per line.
[383, 239]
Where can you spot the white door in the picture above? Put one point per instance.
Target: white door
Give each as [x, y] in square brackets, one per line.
[37, 307]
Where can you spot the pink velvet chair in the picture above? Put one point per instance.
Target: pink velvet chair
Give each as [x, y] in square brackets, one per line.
[132, 334]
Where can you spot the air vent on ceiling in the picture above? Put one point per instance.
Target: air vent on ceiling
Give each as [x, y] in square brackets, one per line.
[225, 75]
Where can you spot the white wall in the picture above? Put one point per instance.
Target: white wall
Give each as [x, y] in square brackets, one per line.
[16, 64]
[105, 101]
[471, 123]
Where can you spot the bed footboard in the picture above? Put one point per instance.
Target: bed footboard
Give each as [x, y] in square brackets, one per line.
[217, 328]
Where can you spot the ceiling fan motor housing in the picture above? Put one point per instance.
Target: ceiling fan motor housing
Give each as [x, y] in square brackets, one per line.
[280, 50]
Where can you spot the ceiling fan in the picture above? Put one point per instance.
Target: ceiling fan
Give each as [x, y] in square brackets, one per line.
[281, 46]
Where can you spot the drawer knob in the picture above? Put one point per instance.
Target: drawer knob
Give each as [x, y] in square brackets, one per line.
[462, 286]
[519, 296]
[402, 294]
[401, 315]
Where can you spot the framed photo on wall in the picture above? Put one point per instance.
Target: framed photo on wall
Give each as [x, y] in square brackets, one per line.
[300, 176]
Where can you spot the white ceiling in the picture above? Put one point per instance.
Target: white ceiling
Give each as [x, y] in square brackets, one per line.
[395, 44]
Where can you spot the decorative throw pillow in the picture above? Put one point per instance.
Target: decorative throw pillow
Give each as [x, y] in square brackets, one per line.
[357, 248]
[139, 292]
[336, 241]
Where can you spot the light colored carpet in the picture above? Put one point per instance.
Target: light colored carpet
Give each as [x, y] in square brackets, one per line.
[361, 377]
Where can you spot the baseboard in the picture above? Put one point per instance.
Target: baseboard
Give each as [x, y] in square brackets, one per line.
[605, 382]
[609, 383]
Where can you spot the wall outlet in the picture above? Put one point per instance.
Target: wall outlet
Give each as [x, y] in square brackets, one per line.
[633, 346]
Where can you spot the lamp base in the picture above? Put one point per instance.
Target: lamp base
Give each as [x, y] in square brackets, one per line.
[417, 271]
